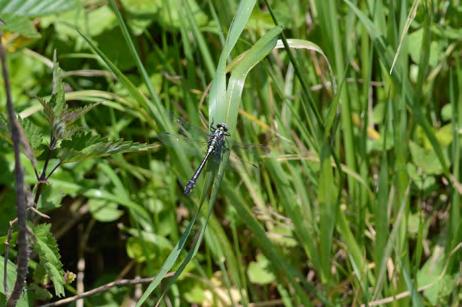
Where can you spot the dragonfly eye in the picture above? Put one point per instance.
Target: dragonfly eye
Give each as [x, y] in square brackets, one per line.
[222, 127]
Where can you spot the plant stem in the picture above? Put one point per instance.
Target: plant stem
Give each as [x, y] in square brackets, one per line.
[23, 250]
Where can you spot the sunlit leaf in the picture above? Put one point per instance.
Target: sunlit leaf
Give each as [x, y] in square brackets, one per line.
[35, 7]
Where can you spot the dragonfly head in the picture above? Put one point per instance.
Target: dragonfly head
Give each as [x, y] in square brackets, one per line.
[222, 127]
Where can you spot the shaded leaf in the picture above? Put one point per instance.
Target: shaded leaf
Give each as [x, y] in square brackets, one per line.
[50, 198]
[71, 115]
[139, 250]
[48, 109]
[104, 211]
[57, 101]
[28, 151]
[48, 253]
[10, 276]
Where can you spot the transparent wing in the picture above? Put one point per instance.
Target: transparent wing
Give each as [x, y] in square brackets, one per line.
[187, 144]
[193, 140]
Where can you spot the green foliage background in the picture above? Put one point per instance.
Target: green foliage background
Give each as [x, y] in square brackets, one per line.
[357, 201]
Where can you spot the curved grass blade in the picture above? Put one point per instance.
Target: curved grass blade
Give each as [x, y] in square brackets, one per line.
[218, 90]
[228, 110]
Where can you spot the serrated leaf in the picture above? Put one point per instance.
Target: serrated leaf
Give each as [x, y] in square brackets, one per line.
[34, 8]
[48, 109]
[57, 101]
[28, 151]
[19, 24]
[50, 198]
[72, 147]
[50, 260]
[71, 115]
[84, 145]
[33, 133]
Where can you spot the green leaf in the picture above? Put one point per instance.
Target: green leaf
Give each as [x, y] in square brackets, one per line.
[422, 181]
[104, 211]
[171, 15]
[195, 295]
[10, 276]
[430, 274]
[84, 145]
[48, 110]
[57, 101]
[34, 133]
[48, 253]
[19, 24]
[258, 271]
[444, 135]
[139, 249]
[427, 160]
[71, 115]
[50, 198]
[142, 8]
[33, 8]
[415, 43]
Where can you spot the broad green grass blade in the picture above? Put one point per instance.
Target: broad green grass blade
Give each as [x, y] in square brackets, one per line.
[228, 111]
[218, 90]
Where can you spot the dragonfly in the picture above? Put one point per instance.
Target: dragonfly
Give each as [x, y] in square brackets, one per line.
[217, 141]
[215, 145]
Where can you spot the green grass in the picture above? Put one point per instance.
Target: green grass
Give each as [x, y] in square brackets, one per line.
[358, 201]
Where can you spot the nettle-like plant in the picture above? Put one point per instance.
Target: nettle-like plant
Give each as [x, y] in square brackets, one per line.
[62, 141]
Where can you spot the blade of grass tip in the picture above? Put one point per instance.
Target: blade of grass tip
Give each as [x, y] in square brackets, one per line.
[298, 72]
[308, 45]
[409, 20]
[218, 89]
[156, 108]
[228, 110]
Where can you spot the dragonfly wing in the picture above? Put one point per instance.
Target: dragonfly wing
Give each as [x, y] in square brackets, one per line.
[184, 143]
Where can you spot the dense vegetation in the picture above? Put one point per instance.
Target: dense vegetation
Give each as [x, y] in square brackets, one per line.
[346, 191]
